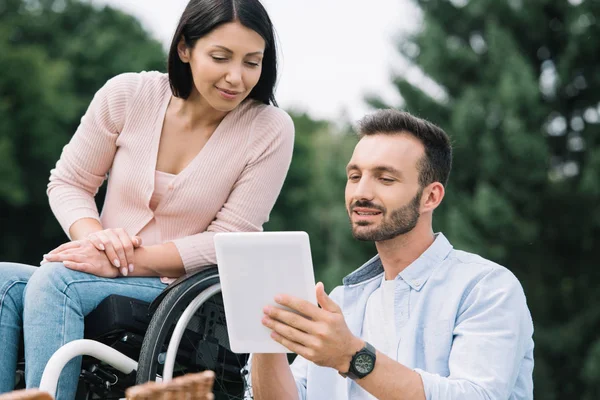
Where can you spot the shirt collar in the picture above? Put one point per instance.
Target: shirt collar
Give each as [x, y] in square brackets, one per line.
[415, 275]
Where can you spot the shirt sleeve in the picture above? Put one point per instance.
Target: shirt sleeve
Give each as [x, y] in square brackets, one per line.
[492, 341]
[300, 371]
[254, 194]
[87, 158]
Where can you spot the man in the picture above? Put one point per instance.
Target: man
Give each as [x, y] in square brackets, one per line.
[418, 321]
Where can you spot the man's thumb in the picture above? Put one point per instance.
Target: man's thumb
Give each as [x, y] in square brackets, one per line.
[324, 300]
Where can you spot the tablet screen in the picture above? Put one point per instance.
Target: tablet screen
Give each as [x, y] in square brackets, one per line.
[254, 267]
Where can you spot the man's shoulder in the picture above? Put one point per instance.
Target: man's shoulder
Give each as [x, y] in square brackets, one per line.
[464, 259]
[473, 269]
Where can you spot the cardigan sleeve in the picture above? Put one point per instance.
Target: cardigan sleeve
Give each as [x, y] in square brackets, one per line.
[87, 158]
[254, 194]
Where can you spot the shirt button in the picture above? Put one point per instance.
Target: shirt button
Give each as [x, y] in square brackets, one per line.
[417, 283]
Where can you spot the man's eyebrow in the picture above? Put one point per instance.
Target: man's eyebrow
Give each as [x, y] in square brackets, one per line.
[391, 170]
[256, 53]
[381, 168]
[350, 167]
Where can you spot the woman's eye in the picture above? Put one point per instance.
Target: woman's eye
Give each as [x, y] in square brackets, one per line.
[252, 64]
[219, 58]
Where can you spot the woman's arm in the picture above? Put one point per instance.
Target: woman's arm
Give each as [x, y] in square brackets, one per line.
[158, 260]
[83, 227]
[87, 158]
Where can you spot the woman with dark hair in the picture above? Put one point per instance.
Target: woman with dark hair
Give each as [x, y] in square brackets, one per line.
[198, 151]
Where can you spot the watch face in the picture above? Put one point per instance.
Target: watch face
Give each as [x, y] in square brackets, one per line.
[363, 363]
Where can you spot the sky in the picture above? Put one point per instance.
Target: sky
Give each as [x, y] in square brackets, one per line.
[332, 52]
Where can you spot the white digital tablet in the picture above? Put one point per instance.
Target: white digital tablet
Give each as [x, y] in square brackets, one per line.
[253, 268]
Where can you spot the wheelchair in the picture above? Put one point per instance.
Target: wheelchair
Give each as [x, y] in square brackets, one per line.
[182, 331]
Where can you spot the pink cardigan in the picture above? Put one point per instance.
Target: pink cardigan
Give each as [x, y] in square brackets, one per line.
[231, 185]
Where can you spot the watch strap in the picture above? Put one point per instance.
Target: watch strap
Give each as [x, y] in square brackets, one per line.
[351, 373]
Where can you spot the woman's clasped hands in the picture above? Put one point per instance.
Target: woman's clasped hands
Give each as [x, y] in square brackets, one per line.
[107, 253]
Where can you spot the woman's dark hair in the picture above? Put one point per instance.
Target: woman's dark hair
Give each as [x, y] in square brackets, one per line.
[436, 164]
[199, 18]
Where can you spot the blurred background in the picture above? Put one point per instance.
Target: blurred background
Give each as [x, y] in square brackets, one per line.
[516, 83]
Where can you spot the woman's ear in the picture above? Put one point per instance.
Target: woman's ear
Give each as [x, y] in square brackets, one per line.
[183, 51]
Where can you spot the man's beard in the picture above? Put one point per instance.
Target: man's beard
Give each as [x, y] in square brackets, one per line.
[400, 221]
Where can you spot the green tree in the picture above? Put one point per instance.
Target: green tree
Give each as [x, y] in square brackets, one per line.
[55, 55]
[515, 83]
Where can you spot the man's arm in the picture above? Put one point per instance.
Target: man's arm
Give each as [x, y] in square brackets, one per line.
[492, 336]
[272, 378]
[392, 380]
[324, 338]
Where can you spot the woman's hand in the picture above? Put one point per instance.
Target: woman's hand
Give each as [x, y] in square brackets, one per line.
[82, 255]
[97, 240]
[118, 246]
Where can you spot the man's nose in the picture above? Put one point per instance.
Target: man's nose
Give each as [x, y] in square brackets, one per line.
[363, 190]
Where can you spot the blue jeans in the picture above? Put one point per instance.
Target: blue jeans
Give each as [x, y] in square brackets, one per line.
[49, 304]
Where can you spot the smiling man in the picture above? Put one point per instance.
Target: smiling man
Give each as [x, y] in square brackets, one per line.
[420, 320]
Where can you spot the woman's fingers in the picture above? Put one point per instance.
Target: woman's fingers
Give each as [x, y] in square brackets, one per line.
[137, 241]
[118, 246]
[127, 248]
[95, 240]
[111, 244]
[65, 256]
[81, 267]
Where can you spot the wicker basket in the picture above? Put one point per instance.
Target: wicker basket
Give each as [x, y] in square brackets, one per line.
[29, 394]
[188, 387]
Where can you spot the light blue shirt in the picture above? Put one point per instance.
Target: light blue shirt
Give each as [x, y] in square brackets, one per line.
[462, 323]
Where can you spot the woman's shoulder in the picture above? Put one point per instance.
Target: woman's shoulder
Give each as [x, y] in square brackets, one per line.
[129, 83]
[267, 117]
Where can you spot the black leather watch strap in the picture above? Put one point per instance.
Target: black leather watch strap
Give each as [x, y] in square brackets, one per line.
[370, 353]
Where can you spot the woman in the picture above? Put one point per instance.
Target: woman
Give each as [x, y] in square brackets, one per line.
[187, 155]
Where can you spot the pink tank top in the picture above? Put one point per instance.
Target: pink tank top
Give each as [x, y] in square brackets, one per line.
[150, 234]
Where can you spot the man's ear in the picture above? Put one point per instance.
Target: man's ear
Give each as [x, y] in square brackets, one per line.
[432, 196]
[183, 51]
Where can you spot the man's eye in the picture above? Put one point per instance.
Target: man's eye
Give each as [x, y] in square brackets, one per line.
[386, 180]
[353, 177]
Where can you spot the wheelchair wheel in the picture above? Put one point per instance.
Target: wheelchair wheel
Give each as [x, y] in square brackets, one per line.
[204, 344]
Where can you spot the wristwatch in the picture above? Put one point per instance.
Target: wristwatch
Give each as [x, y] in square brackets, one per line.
[362, 363]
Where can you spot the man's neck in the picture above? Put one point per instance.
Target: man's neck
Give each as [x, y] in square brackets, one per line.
[398, 253]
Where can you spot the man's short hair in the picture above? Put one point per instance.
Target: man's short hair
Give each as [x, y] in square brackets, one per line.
[435, 166]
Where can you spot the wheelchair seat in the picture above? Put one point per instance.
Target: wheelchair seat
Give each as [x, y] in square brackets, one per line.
[118, 314]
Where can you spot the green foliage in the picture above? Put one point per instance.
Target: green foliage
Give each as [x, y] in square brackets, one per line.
[520, 101]
[55, 56]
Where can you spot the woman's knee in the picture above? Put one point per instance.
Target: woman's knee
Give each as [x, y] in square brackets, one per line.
[15, 272]
[48, 278]
[13, 277]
